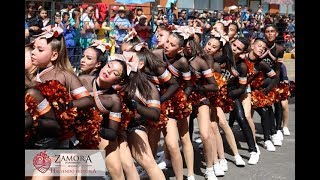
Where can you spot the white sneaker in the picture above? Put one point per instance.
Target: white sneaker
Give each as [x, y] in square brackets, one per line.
[209, 175]
[286, 131]
[166, 163]
[198, 140]
[224, 164]
[254, 158]
[239, 161]
[258, 149]
[276, 140]
[160, 153]
[160, 158]
[191, 177]
[269, 146]
[280, 135]
[218, 170]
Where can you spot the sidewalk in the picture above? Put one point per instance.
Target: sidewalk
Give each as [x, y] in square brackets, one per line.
[290, 64]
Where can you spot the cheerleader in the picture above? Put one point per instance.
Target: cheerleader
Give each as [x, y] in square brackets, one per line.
[273, 56]
[94, 58]
[226, 66]
[142, 104]
[49, 54]
[262, 107]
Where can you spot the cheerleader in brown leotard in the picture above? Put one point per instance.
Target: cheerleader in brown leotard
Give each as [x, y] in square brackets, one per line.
[205, 83]
[93, 58]
[142, 104]
[179, 68]
[49, 54]
[157, 73]
[227, 69]
[108, 102]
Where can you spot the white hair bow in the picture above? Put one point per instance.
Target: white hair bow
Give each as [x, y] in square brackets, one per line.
[50, 31]
[100, 45]
[130, 58]
[223, 38]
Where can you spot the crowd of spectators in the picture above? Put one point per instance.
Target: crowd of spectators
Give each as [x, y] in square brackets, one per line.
[83, 22]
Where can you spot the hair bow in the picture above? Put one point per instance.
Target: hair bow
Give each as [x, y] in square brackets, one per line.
[167, 27]
[223, 38]
[139, 46]
[130, 36]
[50, 31]
[100, 45]
[198, 30]
[226, 23]
[214, 32]
[183, 31]
[130, 58]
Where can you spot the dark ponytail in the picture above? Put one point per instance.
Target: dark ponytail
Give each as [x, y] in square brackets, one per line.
[182, 42]
[150, 60]
[138, 80]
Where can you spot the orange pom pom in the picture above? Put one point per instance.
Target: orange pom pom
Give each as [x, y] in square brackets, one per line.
[59, 98]
[87, 129]
[258, 99]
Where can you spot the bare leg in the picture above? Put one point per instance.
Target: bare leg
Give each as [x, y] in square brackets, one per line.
[141, 152]
[285, 112]
[206, 134]
[154, 138]
[127, 162]
[172, 145]
[112, 158]
[246, 103]
[220, 148]
[227, 131]
[186, 145]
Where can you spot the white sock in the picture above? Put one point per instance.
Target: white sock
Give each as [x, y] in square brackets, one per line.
[210, 169]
